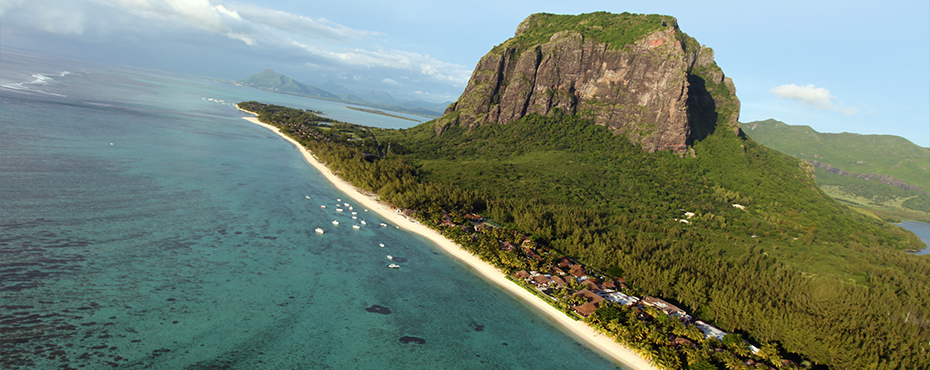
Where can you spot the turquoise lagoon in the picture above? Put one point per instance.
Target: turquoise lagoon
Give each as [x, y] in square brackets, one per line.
[147, 226]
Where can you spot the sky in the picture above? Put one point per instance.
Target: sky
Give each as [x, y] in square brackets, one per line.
[837, 66]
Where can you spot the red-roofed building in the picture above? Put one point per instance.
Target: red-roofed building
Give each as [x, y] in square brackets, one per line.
[609, 284]
[577, 271]
[557, 281]
[589, 295]
[507, 246]
[586, 309]
[473, 217]
[541, 281]
[591, 284]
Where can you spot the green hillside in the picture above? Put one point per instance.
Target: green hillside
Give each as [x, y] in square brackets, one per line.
[738, 234]
[794, 268]
[274, 81]
[886, 174]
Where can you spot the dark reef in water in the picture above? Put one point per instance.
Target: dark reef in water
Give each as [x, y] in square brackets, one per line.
[379, 309]
[408, 339]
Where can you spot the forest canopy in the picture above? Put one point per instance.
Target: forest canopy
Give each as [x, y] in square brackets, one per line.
[738, 233]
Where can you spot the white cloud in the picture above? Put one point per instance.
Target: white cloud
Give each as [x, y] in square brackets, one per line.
[248, 23]
[397, 59]
[814, 96]
[313, 43]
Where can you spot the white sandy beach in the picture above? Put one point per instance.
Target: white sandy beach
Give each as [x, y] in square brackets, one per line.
[599, 342]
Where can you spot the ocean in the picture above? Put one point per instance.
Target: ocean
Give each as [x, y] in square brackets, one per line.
[145, 224]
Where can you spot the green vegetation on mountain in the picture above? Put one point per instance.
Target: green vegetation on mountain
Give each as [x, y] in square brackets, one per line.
[274, 81]
[790, 265]
[737, 233]
[885, 174]
[615, 30]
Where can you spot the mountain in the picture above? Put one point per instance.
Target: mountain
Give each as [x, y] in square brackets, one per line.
[637, 74]
[572, 134]
[335, 88]
[274, 81]
[885, 173]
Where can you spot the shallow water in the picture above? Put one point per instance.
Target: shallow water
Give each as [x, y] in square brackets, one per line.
[922, 230]
[145, 226]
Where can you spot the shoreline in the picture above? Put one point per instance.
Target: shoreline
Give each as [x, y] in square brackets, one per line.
[600, 343]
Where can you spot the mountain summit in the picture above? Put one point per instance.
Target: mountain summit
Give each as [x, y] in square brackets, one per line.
[636, 74]
[274, 81]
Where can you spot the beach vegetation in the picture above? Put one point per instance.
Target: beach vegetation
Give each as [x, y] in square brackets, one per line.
[780, 268]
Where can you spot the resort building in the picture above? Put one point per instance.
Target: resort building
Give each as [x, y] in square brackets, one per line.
[620, 298]
[667, 308]
[709, 330]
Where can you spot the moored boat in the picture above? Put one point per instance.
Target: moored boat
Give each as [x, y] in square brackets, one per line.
[319, 230]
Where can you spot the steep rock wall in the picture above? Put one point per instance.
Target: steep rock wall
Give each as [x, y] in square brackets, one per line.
[645, 90]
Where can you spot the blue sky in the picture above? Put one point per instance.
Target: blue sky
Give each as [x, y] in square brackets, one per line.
[850, 66]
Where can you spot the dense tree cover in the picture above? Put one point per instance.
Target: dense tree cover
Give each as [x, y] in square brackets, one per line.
[793, 267]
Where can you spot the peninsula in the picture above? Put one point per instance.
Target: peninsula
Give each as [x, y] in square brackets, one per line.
[379, 112]
[597, 161]
[600, 343]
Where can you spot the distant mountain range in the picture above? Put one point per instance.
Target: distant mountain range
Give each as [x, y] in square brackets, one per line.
[885, 173]
[270, 80]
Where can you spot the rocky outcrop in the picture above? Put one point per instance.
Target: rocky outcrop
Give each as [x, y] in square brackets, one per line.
[662, 91]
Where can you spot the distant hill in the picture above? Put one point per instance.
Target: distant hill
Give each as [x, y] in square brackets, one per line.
[270, 80]
[335, 88]
[274, 81]
[880, 172]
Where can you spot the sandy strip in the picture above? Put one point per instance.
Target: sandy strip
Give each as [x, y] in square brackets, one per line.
[598, 342]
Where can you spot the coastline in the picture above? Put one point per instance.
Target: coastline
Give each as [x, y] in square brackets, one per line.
[602, 344]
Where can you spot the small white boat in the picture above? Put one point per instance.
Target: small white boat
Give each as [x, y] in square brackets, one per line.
[350, 208]
[382, 245]
[363, 222]
[354, 213]
[346, 204]
[319, 230]
[308, 197]
[394, 266]
[354, 217]
[322, 206]
[335, 222]
[390, 257]
[338, 209]
[356, 227]
[338, 200]
[383, 224]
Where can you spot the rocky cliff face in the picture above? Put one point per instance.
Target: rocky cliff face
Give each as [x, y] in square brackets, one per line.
[661, 90]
